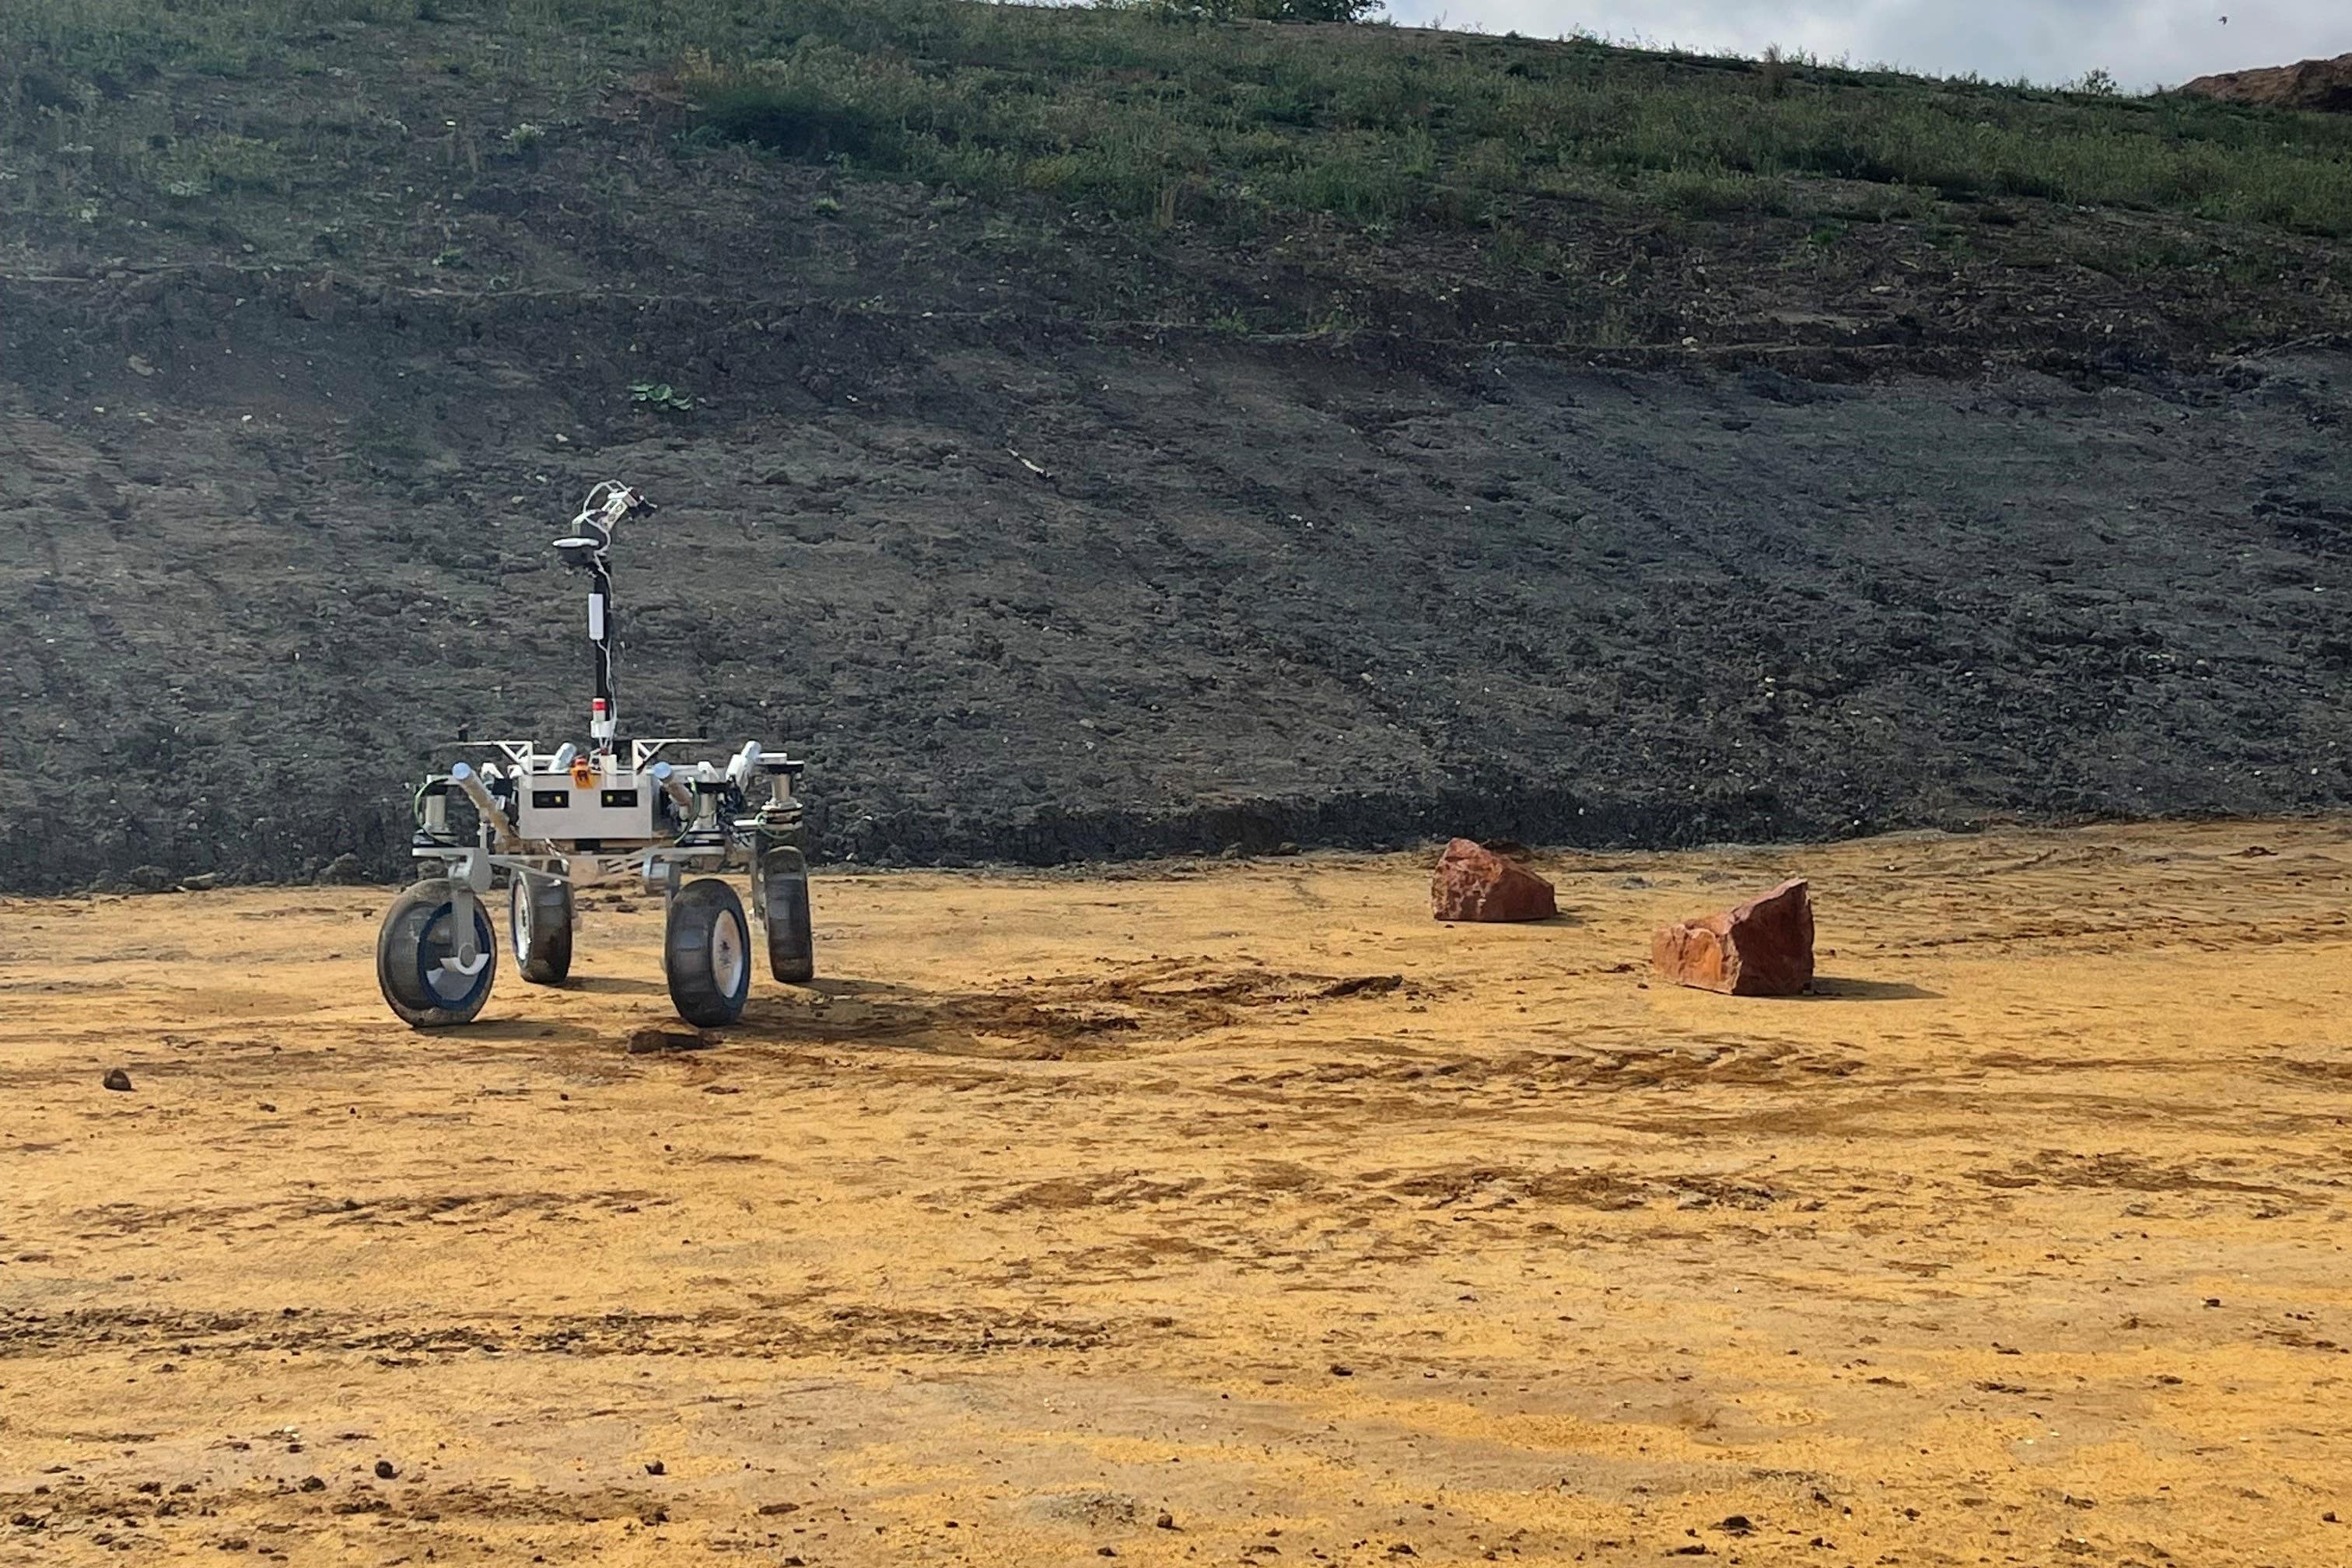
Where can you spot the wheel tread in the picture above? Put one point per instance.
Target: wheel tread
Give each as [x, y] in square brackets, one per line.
[685, 954]
[785, 916]
[548, 961]
[398, 960]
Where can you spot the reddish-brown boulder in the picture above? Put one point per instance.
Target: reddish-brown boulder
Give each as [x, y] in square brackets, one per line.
[1474, 883]
[1761, 948]
[2322, 85]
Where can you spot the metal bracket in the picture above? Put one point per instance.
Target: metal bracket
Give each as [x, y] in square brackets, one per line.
[644, 751]
[662, 873]
[469, 878]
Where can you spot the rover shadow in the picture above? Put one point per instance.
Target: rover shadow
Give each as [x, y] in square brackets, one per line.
[613, 985]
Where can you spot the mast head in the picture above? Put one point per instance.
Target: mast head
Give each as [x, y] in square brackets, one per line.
[590, 543]
[585, 549]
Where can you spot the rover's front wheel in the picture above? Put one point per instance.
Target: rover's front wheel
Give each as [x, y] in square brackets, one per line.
[432, 979]
[707, 951]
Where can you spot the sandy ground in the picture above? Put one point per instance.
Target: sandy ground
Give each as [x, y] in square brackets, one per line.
[1146, 1216]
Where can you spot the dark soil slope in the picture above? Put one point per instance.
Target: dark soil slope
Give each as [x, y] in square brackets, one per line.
[1050, 530]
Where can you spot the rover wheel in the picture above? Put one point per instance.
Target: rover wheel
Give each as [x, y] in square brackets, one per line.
[782, 891]
[706, 952]
[539, 924]
[416, 958]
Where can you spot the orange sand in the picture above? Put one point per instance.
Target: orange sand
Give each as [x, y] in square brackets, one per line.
[1071, 1204]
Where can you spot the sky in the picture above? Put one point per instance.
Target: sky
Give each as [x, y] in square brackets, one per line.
[2141, 43]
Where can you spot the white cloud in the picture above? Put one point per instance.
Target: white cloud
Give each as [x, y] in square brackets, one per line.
[2145, 43]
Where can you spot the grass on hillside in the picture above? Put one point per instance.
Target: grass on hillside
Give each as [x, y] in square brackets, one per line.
[1153, 112]
[1146, 112]
[1435, 183]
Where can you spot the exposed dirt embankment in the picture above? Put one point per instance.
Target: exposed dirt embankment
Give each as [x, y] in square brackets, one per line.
[1573, 501]
[1023, 591]
[2322, 85]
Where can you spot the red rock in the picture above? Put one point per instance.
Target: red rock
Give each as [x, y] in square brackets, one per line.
[2324, 86]
[1762, 948]
[1474, 883]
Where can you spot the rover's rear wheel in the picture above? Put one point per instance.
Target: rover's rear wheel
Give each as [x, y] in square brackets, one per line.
[538, 923]
[707, 951]
[783, 905]
[416, 963]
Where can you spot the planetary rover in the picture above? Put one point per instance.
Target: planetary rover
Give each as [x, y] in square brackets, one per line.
[552, 821]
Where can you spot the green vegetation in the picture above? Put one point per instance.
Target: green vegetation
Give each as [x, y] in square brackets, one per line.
[1121, 107]
[1137, 108]
[660, 396]
[1575, 177]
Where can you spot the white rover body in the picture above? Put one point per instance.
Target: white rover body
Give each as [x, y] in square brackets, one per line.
[556, 820]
